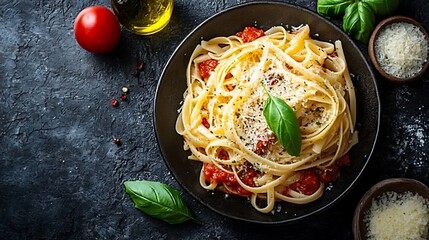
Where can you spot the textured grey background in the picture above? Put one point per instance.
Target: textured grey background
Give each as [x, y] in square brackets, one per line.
[60, 175]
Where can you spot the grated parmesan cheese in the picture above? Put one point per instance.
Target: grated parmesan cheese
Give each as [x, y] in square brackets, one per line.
[251, 124]
[401, 49]
[398, 216]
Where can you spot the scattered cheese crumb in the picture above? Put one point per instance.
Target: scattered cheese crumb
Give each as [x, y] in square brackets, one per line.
[401, 49]
[398, 216]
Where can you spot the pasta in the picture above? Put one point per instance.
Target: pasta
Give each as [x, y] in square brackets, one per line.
[223, 126]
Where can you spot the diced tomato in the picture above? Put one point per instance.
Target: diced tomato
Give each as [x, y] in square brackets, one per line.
[262, 144]
[239, 190]
[249, 175]
[343, 161]
[208, 170]
[223, 155]
[216, 175]
[288, 66]
[308, 183]
[206, 67]
[249, 34]
[261, 147]
[310, 179]
[333, 172]
[205, 122]
[330, 174]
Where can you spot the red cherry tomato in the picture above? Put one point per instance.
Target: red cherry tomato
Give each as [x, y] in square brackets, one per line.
[96, 29]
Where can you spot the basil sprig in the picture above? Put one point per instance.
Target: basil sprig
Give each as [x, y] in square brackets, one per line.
[333, 7]
[158, 200]
[282, 120]
[359, 21]
[359, 15]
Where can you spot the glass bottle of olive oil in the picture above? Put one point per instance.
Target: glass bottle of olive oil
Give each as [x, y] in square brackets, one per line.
[143, 17]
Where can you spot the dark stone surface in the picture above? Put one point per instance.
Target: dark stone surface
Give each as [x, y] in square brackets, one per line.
[60, 174]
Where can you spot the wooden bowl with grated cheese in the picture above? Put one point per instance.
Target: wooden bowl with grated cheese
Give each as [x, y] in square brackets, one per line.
[398, 48]
[393, 208]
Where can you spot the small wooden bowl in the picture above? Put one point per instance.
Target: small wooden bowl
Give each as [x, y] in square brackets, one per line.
[398, 185]
[372, 55]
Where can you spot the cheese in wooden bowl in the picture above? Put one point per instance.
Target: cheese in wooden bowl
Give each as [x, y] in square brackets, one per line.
[396, 208]
[398, 48]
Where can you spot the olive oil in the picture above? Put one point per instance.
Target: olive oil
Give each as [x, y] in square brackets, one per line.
[143, 17]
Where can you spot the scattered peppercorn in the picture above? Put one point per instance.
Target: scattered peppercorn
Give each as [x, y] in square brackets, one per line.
[115, 103]
[138, 69]
[124, 97]
[117, 141]
[125, 90]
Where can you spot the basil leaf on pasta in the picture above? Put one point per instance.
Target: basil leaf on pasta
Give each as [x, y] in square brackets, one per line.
[282, 121]
[158, 200]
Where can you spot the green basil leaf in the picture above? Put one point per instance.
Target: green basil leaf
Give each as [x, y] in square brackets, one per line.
[159, 201]
[382, 7]
[333, 7]
[283, 122]
[359, 21]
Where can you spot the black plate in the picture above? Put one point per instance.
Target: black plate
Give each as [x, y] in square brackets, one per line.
[172, 84]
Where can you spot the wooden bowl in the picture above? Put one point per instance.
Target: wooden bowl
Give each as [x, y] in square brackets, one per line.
[398, 185]
[372, 55]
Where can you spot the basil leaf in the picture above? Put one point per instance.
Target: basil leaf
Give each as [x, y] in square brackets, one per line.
[332, 7]
[359, 21]
[282, 121]
[382, 7]
[159, 201]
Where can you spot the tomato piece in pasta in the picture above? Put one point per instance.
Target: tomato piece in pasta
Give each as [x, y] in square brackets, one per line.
[263, 143]
[329, 174]
[308, 183]
[248, 176]
[205, 122]
[250, 34]
[343, 161]
[223, 155]
[216, 175]
[206, 67]
[333, 172]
